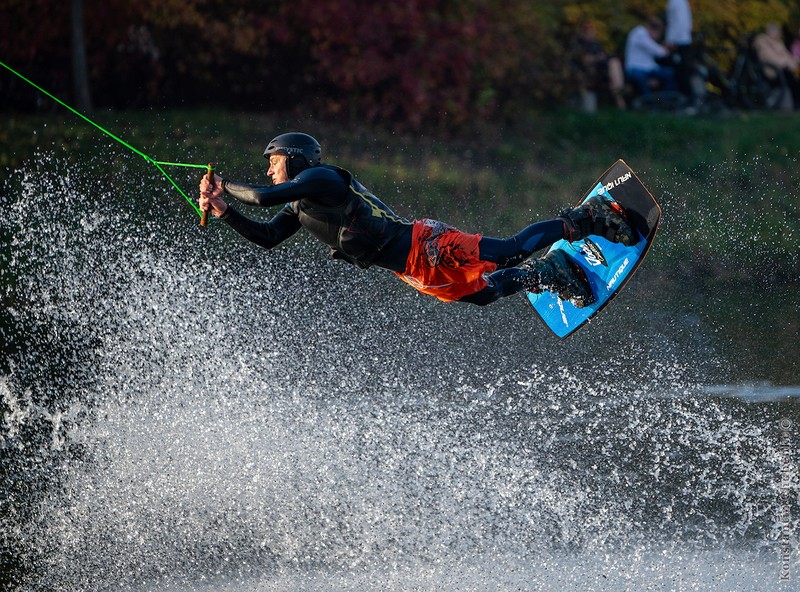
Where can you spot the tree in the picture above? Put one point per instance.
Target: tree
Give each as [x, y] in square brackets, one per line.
[80, 73]
[408, 64]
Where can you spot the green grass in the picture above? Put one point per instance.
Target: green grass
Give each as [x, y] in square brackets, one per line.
[713, 176]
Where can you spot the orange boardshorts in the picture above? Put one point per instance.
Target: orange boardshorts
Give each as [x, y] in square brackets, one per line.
[445, 262]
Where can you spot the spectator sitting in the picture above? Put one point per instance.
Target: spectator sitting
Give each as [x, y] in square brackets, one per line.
[796, 46]
[642, 50]
[777, 59]
[597, 72]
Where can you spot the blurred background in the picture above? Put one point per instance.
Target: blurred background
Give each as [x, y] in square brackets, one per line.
[441, 63]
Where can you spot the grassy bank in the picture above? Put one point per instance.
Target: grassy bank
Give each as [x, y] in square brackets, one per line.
[547, 151]
[711, 175]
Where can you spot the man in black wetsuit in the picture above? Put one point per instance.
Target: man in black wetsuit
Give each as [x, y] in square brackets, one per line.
[433, 257]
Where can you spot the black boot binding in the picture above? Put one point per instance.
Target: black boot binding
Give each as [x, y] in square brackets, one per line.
[599, 216]
[555, 272]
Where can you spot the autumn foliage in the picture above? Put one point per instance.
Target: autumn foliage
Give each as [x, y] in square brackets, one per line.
[441, 62]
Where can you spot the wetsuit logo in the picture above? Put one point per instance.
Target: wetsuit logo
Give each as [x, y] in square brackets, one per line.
[593, 254]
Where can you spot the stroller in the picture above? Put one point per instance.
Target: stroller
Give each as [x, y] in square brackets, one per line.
[751, 84]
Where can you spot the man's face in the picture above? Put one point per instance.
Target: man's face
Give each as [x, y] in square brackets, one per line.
[774, 31]
[277, 169]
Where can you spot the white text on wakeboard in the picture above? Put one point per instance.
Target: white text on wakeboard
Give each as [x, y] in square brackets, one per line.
[618, 274]
[615, 183]
[593, 254]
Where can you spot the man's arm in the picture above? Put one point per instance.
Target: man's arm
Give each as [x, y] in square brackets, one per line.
[318, 183]
[652, 47]
[265, 234]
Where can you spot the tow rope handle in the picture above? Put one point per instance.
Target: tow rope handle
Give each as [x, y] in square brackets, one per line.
[210, 177]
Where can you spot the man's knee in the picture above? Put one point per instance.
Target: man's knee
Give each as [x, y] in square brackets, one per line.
[483, 297]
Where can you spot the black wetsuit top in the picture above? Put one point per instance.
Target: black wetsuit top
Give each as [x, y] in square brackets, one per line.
[335, 208]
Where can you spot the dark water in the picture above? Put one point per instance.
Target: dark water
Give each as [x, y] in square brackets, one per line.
[183, 411]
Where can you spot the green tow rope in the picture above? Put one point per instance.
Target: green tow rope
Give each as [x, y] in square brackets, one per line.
[155, 163]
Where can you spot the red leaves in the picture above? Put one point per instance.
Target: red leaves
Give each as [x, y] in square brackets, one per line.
[407, 62]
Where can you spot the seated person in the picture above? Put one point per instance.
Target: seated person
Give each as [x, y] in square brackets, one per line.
[596, 71]
[795, 47]
[642, 54]
[777, 59]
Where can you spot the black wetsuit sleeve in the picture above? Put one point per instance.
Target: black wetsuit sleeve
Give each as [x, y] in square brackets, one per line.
[320, 184]
[265, 234]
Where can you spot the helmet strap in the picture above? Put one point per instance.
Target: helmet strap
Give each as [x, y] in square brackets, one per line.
[295, 165]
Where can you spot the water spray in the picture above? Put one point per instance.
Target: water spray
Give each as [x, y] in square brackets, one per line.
[156, 163]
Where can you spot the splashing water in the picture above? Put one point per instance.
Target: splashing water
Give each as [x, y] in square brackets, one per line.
[184, 411]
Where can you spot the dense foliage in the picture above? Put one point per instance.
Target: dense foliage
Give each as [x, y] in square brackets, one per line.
[408, 63]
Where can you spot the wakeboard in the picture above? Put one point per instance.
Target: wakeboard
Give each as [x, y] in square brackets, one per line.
[607, 265]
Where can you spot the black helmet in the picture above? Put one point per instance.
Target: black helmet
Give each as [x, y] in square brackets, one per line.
[296, 144]
[303, 151]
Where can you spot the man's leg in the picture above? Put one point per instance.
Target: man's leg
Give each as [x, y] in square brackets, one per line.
[502, 283]
[683, 70]
[508, 252]
[598, 216]
[638, 78]
[666, 76]
[552, 273]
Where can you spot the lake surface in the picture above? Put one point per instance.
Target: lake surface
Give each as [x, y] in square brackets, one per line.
[185, 411]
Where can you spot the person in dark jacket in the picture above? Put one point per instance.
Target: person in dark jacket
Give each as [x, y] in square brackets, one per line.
[431, 256]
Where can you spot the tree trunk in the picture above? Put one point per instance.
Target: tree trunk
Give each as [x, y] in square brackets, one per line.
[80, 72]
